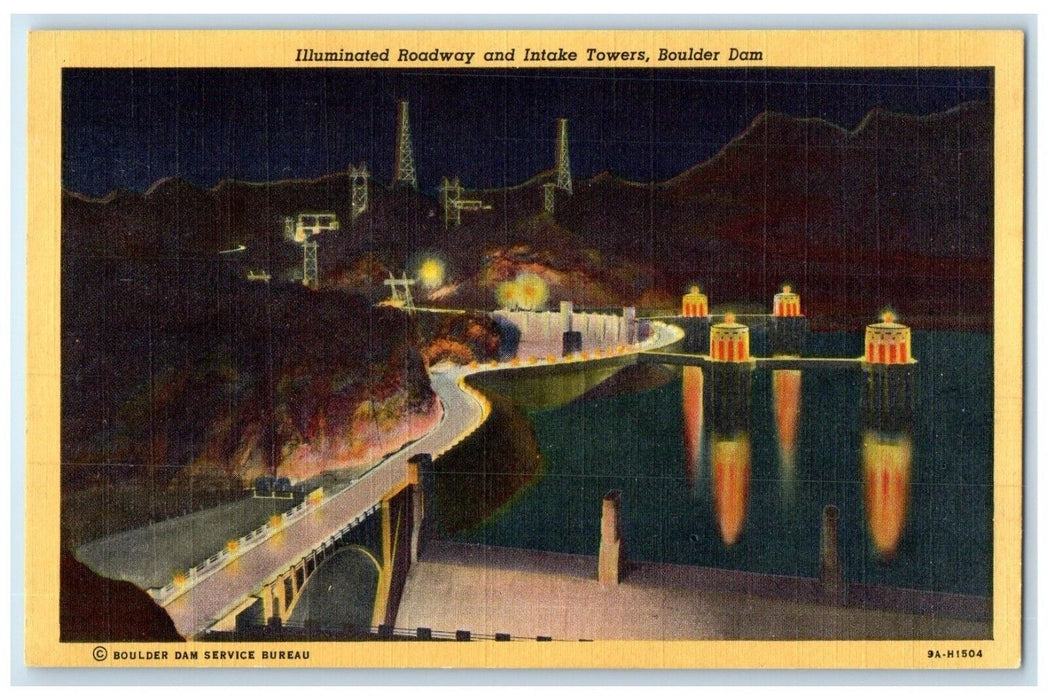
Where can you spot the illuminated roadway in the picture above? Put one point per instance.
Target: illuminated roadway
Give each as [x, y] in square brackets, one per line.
[212, 598]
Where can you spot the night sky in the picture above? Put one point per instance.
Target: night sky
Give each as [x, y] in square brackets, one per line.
[126, 129]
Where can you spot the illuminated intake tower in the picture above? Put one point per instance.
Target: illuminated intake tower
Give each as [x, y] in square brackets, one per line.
[695, 322]
[727, 399]
[887, 423]
[695, 304]
[888, 364]
[730, 341]
[789, 327]
[729, 375]
[888, 342]
[727, 389]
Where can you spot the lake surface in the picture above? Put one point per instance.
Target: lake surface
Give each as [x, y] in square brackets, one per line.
[742, 485]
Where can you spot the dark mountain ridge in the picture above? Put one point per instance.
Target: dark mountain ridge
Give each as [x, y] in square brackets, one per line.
[896, 213]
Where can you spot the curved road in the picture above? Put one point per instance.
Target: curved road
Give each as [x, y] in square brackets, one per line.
[209, 600]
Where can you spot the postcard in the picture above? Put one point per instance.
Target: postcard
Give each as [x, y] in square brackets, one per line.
[525, 349]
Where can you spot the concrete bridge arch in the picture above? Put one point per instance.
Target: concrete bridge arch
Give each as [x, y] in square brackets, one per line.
[342, 591]
[386, 536]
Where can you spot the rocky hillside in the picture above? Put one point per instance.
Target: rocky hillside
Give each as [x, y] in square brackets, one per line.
[169, 365]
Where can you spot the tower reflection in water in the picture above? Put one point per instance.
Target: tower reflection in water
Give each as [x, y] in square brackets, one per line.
[786, 396]
[728, 406]
[692, 404]
[887, 454]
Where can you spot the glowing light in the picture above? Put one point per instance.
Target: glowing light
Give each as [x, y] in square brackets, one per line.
[729, 317]
[276, 520]
[232, 546]
[731, 485]
[692, 395]
[786, 390]
[886, 471]
[179, 579]
[694, 289]
[888, 317]
[533, 290]
[507, 295]
[787, 289]
[431, 273]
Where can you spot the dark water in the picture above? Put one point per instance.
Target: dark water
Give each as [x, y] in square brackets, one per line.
[914, 501]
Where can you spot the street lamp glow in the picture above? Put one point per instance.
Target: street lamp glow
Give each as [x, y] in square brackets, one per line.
[532, 290]
[431, 273]
[507, 295]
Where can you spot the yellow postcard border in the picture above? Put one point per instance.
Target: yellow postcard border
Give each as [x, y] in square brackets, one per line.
[50, 51]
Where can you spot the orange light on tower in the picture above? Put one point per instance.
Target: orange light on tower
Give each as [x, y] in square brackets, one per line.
[692, 399]
[886, 474]
[731, 484]
[787, 303]
[729, 341]
[695, 304]
[888, 342]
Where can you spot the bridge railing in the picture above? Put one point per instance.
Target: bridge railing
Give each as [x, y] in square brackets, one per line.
[310, 628]
[183, 582]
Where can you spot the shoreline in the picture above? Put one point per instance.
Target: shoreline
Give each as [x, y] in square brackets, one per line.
[526, 593]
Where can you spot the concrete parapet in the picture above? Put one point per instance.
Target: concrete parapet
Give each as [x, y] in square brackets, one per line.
[566, 312]
[832, 590]
[418, 465]
[612, 552]
[629, 321]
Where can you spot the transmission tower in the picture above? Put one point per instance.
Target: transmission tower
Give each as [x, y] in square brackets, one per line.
[563, 162]
[454, 204]
[451, 194]
[303, 230]
[548, 197]
[403, 157]
[309, 263]
[400, 292]
[359, 179]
